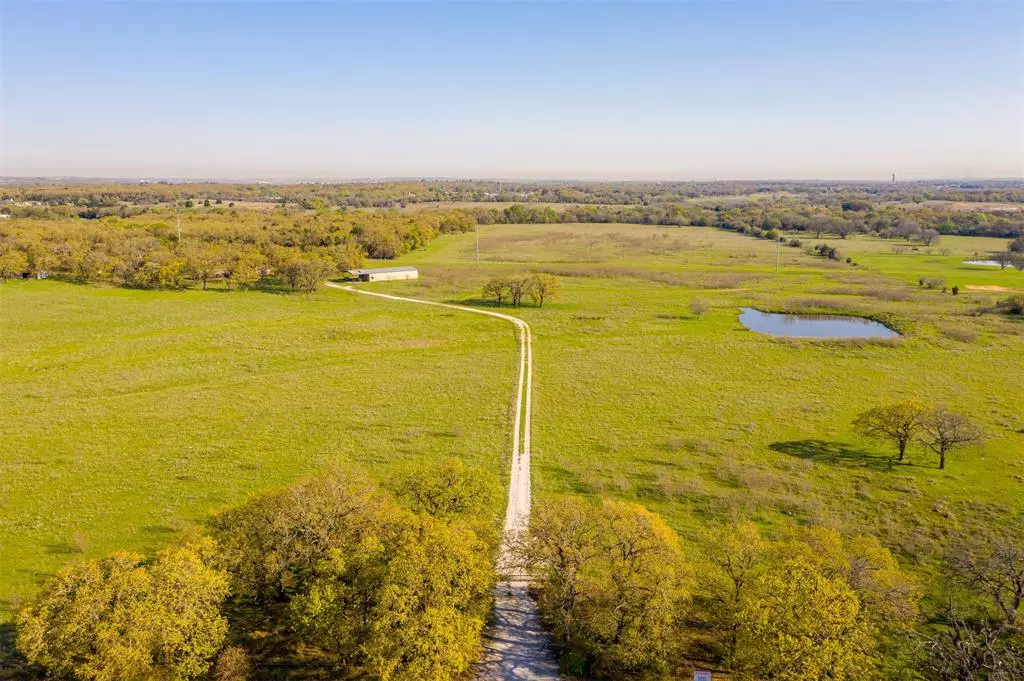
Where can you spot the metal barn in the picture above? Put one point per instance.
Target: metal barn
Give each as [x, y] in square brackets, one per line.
[385, 273]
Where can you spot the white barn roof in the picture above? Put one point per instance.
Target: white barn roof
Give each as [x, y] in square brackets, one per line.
[381, 270]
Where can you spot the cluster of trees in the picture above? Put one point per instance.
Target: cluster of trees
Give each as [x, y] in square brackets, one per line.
[621, 597]
[537, 287]
[237, 248]
[345, 574]
[937, 429]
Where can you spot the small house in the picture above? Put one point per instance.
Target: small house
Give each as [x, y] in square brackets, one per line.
[385, 273]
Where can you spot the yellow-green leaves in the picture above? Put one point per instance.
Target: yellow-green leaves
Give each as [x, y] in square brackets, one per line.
[612, 582]
[119, 618]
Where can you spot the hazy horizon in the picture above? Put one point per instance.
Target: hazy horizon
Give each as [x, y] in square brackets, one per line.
[568, 92]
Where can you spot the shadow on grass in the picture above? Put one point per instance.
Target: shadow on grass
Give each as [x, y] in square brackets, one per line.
[478, 302]
[836, 453]
[673, 317]
[12, 664]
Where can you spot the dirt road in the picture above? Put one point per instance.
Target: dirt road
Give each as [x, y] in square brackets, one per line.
[516, 646]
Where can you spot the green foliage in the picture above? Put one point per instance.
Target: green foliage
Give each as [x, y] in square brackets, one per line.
[805, 607]
[448, 488]
[797, 624]
[612, 582]
[269, 544]
[431, 603]
[898, 423]
[12, 264]
[119, 618]
[539, 287]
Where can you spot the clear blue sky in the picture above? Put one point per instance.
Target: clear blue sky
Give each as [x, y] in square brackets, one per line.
[620, 91]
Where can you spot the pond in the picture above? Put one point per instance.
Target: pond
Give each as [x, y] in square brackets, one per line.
[986, 263]
[813, 325]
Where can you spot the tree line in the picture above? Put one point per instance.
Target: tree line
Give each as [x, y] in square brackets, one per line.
[235, 248]
[343, 575]
[101, 197]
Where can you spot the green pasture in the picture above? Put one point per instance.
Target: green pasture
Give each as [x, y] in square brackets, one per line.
[705, 421]
[129, 416]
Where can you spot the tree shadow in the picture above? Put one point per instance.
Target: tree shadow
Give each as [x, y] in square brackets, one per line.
[12, 664]
[836, 453]
[478, 302]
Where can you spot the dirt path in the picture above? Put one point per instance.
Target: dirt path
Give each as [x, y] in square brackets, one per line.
[516, 646]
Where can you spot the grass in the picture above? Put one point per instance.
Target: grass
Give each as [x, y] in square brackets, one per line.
[705, 421]
[129, 415]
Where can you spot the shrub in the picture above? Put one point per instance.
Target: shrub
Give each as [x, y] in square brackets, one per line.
[1014, 304]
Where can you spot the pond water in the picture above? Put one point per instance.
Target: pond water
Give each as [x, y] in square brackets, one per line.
[813, 325]
[986, 263]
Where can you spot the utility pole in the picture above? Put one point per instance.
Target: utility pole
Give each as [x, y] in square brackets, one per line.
[778, 255]
[178, 216]
[477, 230]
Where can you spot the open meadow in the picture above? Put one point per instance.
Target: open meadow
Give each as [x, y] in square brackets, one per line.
[130, 416]
[705, 421]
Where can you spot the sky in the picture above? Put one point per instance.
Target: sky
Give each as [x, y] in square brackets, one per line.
[667, 91]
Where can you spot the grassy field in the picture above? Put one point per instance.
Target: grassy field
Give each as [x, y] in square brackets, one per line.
[129, 415]
[705, 421]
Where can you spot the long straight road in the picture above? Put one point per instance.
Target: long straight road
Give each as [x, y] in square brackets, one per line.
[516, 646]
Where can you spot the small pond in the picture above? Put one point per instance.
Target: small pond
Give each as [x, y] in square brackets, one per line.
[985, 263]
[813, 325]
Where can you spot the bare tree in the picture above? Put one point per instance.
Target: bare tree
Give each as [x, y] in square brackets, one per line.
[1004, 258]
[943, 430]
[698, 306]
[985, 594]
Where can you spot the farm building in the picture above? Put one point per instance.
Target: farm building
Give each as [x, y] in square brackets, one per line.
[385, 273]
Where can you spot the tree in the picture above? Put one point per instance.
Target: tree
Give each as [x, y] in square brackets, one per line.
[983, 636]
[243, 267]
[447, 489]
[943, 431]
[144, 620]
[898, 423]
[543, 287]
[203, 263]
[738, 586]
[698, 307]
[269, 544]
[517, 288]
[612, 582]
[929, 237]
[314, 270]
[797, 624]
[431, 605]
[497, 288]
[735, 555]
[13, 264]
[1004, 258]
